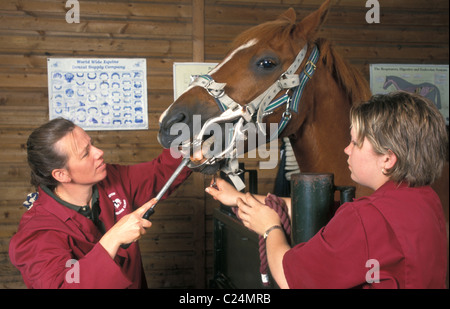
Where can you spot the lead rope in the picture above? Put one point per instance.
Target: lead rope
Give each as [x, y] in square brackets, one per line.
[281, 209]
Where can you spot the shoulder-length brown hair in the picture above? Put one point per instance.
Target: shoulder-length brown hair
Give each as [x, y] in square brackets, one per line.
[411, 127]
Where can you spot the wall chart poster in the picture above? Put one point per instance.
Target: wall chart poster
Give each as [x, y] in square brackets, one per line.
[185, 72]
[430, 81]
[99, 93]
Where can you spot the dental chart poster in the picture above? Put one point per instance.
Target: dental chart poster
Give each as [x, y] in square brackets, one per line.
[99, 93]
[430, 81]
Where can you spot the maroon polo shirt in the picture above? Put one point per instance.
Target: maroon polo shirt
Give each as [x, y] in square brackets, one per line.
[396, 236]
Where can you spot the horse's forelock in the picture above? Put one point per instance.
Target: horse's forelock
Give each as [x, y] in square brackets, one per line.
[267, 33]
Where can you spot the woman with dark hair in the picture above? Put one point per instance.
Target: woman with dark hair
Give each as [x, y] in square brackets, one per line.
[87, 209]
[394, 238]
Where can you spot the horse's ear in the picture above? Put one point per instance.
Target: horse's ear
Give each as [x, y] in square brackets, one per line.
[289, 15]
[311, 23]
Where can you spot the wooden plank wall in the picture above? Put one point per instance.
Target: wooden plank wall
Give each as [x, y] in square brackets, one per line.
[177, 251]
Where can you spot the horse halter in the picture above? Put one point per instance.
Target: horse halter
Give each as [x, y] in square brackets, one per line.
[260, 106]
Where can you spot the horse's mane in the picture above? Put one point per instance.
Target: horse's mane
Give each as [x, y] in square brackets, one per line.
[351, 80]
[279, 31]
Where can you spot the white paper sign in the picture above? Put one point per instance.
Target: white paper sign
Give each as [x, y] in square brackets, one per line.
[99, 93]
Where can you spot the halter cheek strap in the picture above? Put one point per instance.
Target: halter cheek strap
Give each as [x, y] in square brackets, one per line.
[292, 102]
[216, 90]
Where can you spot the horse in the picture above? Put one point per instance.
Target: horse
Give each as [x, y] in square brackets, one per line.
[319, 126]
[319, 129]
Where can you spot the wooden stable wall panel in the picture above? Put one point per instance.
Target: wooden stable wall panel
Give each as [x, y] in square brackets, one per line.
[178, 249]
[408, 32]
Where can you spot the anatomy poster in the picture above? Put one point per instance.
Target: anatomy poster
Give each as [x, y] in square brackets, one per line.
[430, 81]
[99, 93]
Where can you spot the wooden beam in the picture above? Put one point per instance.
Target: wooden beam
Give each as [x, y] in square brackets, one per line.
[198, 30]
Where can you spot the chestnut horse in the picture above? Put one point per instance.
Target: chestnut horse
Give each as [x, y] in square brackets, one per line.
[319, 127]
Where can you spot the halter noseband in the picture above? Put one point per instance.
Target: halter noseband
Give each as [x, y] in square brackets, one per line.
[261, 105]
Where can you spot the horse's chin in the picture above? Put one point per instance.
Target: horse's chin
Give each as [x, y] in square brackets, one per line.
[208, 169]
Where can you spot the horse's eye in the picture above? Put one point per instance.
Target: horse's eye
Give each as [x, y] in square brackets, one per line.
[266, 64]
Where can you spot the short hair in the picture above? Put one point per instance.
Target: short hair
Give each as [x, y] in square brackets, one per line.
[411, 127]
[43, 156]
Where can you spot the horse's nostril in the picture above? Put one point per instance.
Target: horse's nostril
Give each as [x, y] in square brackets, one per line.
[176, 118]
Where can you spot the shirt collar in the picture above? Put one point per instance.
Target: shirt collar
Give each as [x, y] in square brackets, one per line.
[92, 214]
[83, 210]
[390, 185]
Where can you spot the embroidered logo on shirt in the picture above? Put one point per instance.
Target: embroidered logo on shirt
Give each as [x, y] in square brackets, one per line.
[119, 204]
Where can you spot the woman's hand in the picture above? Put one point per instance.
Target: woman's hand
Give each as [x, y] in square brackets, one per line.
[256, 215]
[259, 218]
[224, 192]
[128, 229]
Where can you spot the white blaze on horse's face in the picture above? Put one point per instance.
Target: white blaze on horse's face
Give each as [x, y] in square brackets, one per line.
[230, 56]
[216, 69]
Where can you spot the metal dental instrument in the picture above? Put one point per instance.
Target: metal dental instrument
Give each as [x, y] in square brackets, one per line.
[225, 116]
[198, 142]
[237, 132]
[161, 193]
[214, 183]
[164, 189]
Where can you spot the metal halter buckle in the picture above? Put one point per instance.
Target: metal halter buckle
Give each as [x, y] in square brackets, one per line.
[211, 91]
[279, 81]
[236, 172]
[287, 115]
[306, 66]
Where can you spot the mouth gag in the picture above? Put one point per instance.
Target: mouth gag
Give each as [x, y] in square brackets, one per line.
[239, 115]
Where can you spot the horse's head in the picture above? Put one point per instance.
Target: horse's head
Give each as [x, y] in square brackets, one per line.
[390, 80]
[258, 59]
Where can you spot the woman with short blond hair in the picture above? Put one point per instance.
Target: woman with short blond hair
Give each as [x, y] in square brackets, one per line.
[394, 238]
[411, 127]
